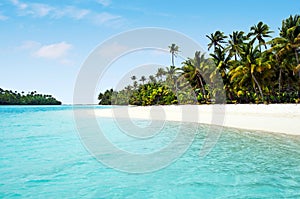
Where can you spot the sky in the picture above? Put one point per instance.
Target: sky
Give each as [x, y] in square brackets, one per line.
[43, 44]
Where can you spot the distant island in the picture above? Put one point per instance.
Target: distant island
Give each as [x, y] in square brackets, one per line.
[243, 68]
[9, 97]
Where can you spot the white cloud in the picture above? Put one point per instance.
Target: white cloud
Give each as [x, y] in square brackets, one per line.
[104, 2]
[29, 45]
[53, 51]
[80, 13]
[3, 17]
[20, 5]
[34, 9]
[40, 10]
[45, 10]
[57, 51]
[105, 17]
[71, 12]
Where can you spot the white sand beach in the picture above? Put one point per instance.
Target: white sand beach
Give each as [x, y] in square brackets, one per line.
[277, 118]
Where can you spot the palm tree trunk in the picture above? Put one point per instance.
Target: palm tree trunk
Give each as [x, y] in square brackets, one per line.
[296, 54]
[260, 91]
[297, 59]
[172, 59]
[201, 82]
[176, 88]
[279, 80]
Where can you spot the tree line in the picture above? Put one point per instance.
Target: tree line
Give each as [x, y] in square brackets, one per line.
[9, 97]
[248, 67]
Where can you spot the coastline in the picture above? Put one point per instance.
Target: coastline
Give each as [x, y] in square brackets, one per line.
[274, 118]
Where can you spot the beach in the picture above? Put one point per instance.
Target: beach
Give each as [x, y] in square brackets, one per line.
[275, 118]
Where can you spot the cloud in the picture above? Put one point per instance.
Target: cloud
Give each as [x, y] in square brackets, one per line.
[56, 51]
[44, 10]
[3, 17]
[34, 9]
[40, 10]
[29, 45]
[20, 5]
[104, 2]
[71, 12]
[105, 17]
[53, 51]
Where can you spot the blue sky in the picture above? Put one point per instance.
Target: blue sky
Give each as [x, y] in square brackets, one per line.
[44, 43]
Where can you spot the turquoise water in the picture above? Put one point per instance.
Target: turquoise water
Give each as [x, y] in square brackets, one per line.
[42, 156]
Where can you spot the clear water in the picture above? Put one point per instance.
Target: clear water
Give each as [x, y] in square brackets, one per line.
[41, 156]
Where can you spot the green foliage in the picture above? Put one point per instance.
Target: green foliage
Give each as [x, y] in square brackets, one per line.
[145, 95]
[153, 94]
[105, 98]
[32, 98]
[238, 69]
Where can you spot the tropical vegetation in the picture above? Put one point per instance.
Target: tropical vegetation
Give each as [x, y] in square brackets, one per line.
[9, 97]
[242, 67]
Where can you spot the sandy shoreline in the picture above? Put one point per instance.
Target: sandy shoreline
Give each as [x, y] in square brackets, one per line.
[277, 118]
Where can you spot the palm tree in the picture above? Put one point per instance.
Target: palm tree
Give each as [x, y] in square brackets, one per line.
[171, 72]
[289, 41]
[247, 70]
[152, 79]
[221, 60]
[135, 85]
[160, 73]
[289, 25]
[128, 88]
[290, 30]
[143, 79]
[133, 78]
[194, 70]
[235, 42]
[171, 76]
[260, 31]
[174, 49]
[282, 59]
[216, 39]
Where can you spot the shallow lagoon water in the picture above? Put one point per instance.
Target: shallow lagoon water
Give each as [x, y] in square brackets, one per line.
[42, 156]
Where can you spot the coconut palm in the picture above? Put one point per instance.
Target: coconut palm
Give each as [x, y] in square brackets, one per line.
[135, 85]
[216, 39]
[260, 31]
[289, 25]
[288, 44]
[143, 79]
[128, 88]
[133, 78]
[193, 70]
[152, 79]
[171, 73]
[174, 49]
[282, 57]
[160, 73]
[171, 77]
[248, 69]
[221, 60]
[235, 42]
[290, 30]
